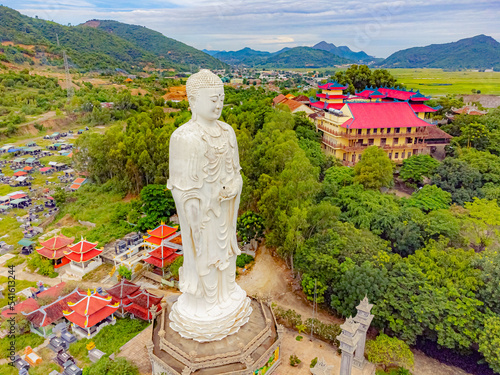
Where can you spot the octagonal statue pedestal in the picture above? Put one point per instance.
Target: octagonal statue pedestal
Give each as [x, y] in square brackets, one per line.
[256, 346]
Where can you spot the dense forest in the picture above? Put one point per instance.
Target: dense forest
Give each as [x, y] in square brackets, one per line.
[429, 263]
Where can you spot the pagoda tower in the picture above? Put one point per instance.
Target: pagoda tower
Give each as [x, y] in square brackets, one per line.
[55, 248]
[84, 257]
[159, 234]
[161, 256]
[331, 96]
[91, 313]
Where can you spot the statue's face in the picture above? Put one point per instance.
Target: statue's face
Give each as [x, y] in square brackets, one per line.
[208, 103]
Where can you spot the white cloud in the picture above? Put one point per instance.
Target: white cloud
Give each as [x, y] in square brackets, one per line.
[378, 27]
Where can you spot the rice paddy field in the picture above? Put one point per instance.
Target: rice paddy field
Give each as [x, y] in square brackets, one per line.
[437, 82]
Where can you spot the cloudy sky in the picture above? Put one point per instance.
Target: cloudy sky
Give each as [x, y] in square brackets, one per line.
[378, 27]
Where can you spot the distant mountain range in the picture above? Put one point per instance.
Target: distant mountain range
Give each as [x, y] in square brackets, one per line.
[99, 44]
[478, 52]
[103, 44]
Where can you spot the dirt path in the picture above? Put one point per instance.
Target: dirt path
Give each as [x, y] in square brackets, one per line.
[270, 278]
[46, 116]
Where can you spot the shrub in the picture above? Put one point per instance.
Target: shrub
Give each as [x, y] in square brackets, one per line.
[243, 259]
[175, 265]
[44, 265]
[389, 351]
[313, 362]
[125, 272]
[294, 360]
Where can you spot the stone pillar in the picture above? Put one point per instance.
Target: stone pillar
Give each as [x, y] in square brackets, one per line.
[364, 318]
[348, 344]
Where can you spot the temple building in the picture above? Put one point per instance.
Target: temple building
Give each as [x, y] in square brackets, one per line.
[119, 293]
[133, 300]
[164, 247]
[389, 118]
[90, 313]
[44, 319]
[55, 248]
[84, 257]
[140, 303]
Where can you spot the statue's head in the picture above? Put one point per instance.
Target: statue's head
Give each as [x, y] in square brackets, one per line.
[205, 92]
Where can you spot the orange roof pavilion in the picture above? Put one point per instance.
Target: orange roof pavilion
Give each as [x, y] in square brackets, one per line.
[82, 251]
[90, 311]
[161, 232]
[54, 249]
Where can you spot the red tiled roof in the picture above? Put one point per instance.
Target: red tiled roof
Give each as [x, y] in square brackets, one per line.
[292, 104]
[82, 247]
[279, 99]
[123, 289]
[138, 311]
[54, 291]
[338, 106]
[89, 304]
[332, 86]
[75, 186]
[318, 105]
[26, 306]
[177, 240]
[51, 313]
[302, 98]
[57, 242]
[17, 196]
[45, 169]
[382, 115]
[83, 257]
[162, 231]
[91, 320]
[51, 254]
[162, 252]
[336, 96]
[144, 299]
[160, 263]
[79, 180]
[153, 240]
[20, 173]
[28, 168]
[422, 108]
[436, 133]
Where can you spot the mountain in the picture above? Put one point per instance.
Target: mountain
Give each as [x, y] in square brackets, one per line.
[152, 41]
[344, 51]
[211, 52]
[246, 56]
[297, 57]
[94, 48]
[305, 57]
[478, 52]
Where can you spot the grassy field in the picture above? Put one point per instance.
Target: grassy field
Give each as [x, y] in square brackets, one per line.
[437, 82]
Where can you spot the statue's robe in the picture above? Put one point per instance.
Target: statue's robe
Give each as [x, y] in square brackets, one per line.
[201, 165]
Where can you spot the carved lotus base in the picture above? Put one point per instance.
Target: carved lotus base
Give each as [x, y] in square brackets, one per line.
[254, 346]
[210, 325]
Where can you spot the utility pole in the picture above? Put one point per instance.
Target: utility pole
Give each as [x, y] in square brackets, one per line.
[69, 88]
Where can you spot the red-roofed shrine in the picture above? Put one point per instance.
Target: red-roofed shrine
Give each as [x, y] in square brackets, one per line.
[90, 313]
[120, 292]
[84, 257]
[139, 304]
[54, 249]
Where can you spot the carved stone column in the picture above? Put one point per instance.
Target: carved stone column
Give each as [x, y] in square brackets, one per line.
[364, 318]
[348, 344]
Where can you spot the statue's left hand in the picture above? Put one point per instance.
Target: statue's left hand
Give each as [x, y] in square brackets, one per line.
[227, 192]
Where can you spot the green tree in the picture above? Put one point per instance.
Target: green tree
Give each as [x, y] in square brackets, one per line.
[483, 221]
[417, 167]
[489, 342]
[389, 351]
[312, 286]
[374, 170]
[105, 366]
[460, 179]
[429, 198]
[158, 205]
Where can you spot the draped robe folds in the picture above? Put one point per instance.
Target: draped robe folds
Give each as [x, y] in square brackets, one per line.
[201, 166]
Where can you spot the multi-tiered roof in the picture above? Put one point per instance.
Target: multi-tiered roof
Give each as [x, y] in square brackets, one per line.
[55, 247]
[140, 303]
[164, 250]
[90, 310]
[82, 251]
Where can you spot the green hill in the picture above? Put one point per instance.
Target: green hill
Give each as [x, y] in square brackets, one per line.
[171, 50]
[478, 52]
[305, 57]
[298, 57]
[91, 47]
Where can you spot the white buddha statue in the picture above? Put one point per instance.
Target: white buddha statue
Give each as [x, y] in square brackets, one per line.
[206, 185]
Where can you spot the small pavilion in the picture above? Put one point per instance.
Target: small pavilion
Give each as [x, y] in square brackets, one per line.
[139, 305]
[84, 257]
[55, 248]
[120, 292]
[91, 313]
[165, 247]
